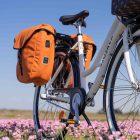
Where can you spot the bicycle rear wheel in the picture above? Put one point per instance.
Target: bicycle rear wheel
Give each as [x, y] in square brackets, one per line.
[122, 100]
[48, 112]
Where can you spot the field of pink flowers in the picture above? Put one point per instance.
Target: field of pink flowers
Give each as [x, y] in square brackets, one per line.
[21, 129]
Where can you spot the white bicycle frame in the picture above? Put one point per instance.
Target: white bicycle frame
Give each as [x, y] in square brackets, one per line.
[117, 31]
[103, 58]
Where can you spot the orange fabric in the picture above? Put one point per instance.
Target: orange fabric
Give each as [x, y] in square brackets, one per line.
[36, 59]
[62, 115]
[89, 48]
[71, 79]
[25, 34]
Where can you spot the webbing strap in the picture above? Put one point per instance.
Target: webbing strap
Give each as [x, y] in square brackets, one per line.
[20, 61]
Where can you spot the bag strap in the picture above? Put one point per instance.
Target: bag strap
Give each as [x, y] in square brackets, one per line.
[20, 60]
[93, 46]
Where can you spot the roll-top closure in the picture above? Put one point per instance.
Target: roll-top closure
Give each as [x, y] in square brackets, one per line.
[26, 34]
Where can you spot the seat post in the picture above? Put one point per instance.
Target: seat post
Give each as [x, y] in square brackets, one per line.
[81, 54]
[79, 29]
[78, 25]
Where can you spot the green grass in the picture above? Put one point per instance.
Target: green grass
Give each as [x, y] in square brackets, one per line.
[15, 114]
[27, 114]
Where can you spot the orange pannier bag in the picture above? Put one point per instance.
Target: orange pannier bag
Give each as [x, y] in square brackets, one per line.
[89, 48]
[36, 48]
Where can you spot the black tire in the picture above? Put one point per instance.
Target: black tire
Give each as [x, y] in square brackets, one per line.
[117, 115]
[36, 112]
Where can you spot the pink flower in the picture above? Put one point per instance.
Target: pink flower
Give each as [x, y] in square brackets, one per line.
[5, 138]
[111, 137]
[116, 134]
[18, 128]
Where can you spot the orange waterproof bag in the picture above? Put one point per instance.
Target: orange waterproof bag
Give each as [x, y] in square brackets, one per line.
[89, 48]
[36, 48]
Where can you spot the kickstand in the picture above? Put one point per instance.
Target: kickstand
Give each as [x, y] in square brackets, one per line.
[86, 118]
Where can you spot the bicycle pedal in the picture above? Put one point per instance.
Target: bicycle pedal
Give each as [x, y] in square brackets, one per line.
[71, 121]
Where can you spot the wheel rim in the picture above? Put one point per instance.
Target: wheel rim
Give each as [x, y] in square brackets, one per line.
[122, 97]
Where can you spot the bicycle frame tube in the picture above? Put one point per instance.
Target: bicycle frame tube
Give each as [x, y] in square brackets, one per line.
[55, 75]
[101, 60]
[81, 57]
[104, 56]
[112, 37]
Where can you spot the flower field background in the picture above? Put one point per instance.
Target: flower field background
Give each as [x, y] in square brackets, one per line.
[22, 128]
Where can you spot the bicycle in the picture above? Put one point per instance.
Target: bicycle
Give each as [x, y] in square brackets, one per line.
[116, 69]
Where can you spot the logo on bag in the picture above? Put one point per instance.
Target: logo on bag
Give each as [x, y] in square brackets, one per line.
[45, 60]
[47, 44]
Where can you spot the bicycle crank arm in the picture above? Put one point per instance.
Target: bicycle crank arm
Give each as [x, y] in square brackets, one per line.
[68, 121]
[77, 103]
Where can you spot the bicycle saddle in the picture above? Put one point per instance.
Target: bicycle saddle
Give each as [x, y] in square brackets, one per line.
[70, 19]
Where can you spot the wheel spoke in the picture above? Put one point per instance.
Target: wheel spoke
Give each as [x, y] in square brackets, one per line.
[122, 79]
[135, 56]
[58, 105]
[125, 77]
[129, 99]
[123, 87]
[47, 111]
[120, 88]
[122, 96]
[129, 114]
